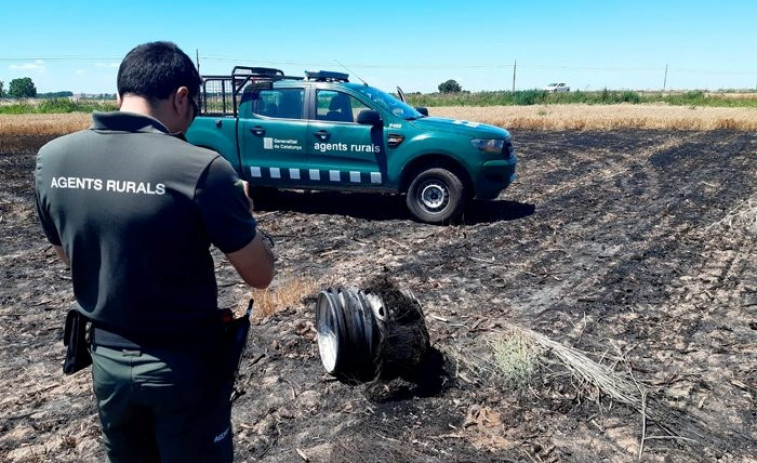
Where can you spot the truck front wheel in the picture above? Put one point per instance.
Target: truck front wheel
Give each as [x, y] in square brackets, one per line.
[436, 195]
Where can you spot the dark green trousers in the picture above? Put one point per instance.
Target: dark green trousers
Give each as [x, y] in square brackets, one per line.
[161, 406]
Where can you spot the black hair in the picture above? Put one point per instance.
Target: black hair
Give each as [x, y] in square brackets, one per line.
[155, 70]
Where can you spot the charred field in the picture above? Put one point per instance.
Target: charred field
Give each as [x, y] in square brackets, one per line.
[624, 261]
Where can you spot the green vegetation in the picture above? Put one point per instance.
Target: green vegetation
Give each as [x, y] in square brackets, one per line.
[538, 97]
[22, 88]
[64, 94]
[450, 86]
[106, 102]
[58, 105]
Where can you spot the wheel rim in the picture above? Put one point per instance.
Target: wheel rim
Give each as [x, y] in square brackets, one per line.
[327, 347]
[434, 195]
[328, 341]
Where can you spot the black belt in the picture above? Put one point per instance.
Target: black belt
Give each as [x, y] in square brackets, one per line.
[205, 338]
[106, 338]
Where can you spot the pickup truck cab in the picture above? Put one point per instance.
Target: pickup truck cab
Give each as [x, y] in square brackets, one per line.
[321, 131]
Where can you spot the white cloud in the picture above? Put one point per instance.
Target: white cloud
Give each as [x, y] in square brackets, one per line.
[80, 72]
[38, 64]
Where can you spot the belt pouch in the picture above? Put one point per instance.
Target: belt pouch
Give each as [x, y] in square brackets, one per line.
[75, 340]
[236, 331]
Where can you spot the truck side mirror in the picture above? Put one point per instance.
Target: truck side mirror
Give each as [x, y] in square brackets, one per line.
[369, 117]
[422, 110]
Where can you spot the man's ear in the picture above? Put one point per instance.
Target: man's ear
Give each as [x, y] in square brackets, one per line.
[181, 96]
[119, 101]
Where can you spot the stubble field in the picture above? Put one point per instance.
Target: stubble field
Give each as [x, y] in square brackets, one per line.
[618, 274]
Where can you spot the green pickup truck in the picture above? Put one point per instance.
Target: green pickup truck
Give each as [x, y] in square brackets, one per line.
[321, 131]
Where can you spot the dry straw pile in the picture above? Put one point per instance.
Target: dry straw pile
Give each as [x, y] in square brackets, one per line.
[286, 292]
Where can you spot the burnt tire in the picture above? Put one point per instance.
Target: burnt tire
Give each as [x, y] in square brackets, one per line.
[436, 196]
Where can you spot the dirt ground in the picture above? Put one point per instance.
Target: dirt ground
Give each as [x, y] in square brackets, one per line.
[636, 249]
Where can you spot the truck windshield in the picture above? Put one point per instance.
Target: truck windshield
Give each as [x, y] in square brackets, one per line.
[389, 103]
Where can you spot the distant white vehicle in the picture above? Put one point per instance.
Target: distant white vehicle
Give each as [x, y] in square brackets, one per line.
[557, 88]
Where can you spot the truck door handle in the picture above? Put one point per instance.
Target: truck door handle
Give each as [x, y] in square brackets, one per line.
[322, 134]
[257, 130]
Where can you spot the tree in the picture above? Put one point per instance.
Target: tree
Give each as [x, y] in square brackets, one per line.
[450, 86]
[22, 88]
[1, 88]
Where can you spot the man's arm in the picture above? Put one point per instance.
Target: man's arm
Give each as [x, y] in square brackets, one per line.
[62, 255]
[48, 227]
[227, 214]
[254, 263]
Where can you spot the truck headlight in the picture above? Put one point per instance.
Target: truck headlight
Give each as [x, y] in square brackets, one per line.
[488, 145]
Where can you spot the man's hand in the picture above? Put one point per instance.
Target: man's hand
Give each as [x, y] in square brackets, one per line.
[246, 189]
[62, 255]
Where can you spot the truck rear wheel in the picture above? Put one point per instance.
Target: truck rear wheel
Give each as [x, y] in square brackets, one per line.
[436, 195]
[264, 195]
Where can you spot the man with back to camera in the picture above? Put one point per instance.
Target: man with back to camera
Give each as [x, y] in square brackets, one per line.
[133, 208]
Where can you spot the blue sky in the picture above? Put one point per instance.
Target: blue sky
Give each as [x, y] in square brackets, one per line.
[414, 44]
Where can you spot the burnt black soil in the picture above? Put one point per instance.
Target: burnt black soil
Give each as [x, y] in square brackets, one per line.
[624, 245]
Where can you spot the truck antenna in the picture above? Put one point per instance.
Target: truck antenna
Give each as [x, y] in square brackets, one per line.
[350, 71]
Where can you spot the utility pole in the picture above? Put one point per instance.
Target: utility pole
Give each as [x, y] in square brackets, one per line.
[515, 67]
[665, 81]
[197, 58]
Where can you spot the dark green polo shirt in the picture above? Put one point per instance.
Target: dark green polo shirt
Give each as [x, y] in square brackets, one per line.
[136, 210]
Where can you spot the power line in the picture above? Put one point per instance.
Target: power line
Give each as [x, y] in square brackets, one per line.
[730, 73]
[375, 66]
[595, 68]
[474, 66]
[60, 58]
[419, 66]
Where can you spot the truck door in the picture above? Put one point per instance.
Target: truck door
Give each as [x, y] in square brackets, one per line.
[343, 152]
[272, 137]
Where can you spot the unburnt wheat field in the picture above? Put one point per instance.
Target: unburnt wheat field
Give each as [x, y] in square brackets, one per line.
[604, 308]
